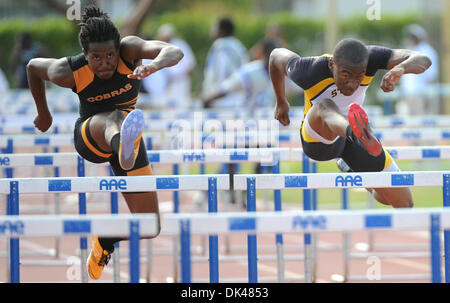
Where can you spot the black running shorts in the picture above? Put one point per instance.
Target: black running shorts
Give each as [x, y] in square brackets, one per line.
[357, 158]
[89, 150]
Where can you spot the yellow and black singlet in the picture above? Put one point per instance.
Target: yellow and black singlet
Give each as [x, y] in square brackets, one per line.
[97, 95]
[313, 75]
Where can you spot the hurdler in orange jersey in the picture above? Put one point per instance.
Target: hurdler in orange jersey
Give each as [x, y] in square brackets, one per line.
[106, 76]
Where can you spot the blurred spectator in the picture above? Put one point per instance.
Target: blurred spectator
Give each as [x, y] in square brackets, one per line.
[414, 86]
[172, 85]
[225, 56]
[4, 85]
[273, 31]
[254, 80]
[24, 50]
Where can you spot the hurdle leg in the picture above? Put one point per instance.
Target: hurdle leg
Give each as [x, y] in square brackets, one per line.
[308, 263]
[13, 249]
[345, 239]
[134, 252]
[315, 236]
[227, 206]
[203, 237]
[149, 255]
[11, 244]
[114, 209]
[446, 198]
[278, 237]
[265, 193]
[213, 239]
[116, 255]
[175, 240]
[82, 211]
[185, 240]
[251, 239]
[435, 246]
[57, 210]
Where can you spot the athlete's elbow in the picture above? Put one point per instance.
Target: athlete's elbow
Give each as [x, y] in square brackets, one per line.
[424, 62]
[427, 62]
[31, 65]
[177, 53]
[275, 55]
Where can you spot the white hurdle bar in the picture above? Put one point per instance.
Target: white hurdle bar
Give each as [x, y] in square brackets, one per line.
[251, 183]
[198, 120]
[305, 222]
[15, 186]
[132, 226]
[238, 155]
[261, 138]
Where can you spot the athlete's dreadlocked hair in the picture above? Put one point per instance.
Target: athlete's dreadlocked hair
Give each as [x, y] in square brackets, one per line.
[95, 26]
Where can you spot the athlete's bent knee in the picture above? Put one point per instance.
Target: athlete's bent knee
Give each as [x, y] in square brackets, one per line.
[403, 204]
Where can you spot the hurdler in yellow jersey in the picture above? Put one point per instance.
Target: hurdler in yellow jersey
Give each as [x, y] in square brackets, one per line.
[335, 124]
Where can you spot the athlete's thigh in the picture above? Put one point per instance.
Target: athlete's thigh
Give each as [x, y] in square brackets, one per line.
[97, 127]
[397, 197]
[142, 202]
[319, 151]
[86, 146]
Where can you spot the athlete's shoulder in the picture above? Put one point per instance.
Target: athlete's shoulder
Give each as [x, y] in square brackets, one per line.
[379, 57]
[308, 71]
[76, 62]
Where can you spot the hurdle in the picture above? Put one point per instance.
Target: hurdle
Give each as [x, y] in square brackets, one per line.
[261, 138]
[251, 183]
[268, 155]
[136, 226]
[433, 219]
[263, 155]
[197, 122]
[132, 226]
[15, 186]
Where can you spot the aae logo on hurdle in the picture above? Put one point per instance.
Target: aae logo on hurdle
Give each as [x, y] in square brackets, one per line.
[4, 161]
[305, 222]
[113, 184]
[348, 180]
[12, 228]
[193, 157]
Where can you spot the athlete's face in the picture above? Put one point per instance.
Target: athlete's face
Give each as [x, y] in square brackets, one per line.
[103, 58]
[347, 76]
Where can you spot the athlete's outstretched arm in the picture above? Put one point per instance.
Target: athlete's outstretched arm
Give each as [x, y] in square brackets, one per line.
[277, 70]
[133, 49]
[40, 70]
[403, 61]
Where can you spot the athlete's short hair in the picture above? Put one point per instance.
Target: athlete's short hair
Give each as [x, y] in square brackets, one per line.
[351, 51]
[95, 26]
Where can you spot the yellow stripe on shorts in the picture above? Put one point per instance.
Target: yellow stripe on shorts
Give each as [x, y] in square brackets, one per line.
[307, 137]
[388, 160]
[88, 144]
